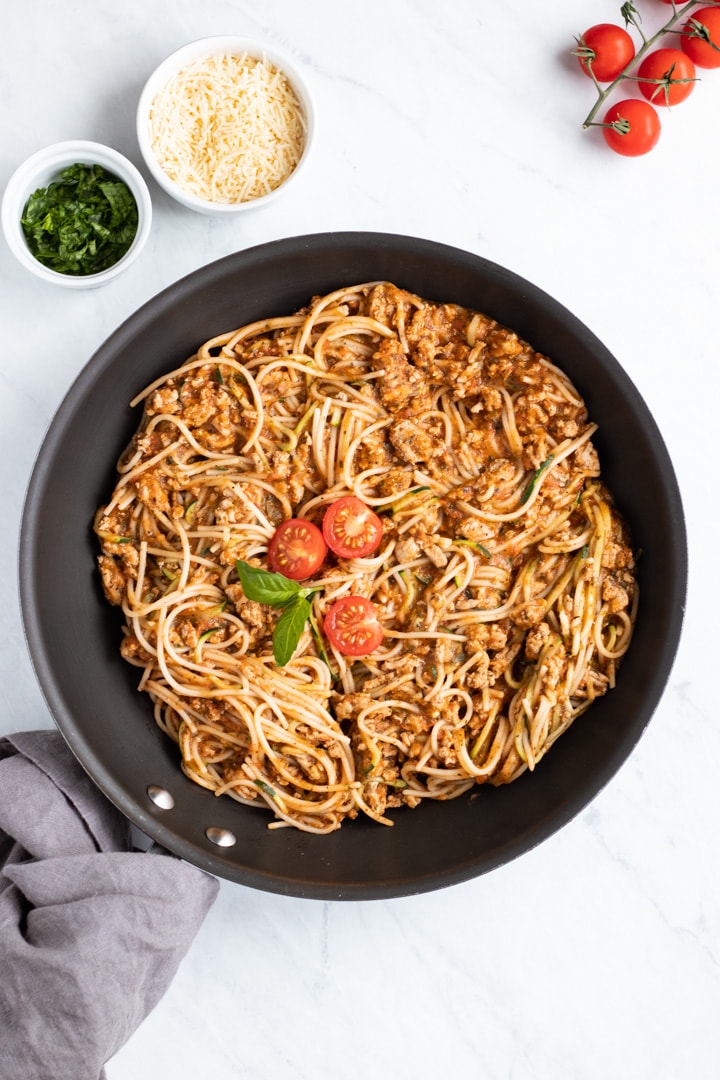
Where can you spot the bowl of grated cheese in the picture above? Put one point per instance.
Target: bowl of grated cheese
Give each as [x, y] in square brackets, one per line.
[225, 124]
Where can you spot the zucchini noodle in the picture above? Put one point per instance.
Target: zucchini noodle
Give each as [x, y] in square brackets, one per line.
[504, 581]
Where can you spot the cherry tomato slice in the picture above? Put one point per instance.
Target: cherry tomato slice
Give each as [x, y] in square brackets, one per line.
[351, 529]
[352, 627]
[297, 549]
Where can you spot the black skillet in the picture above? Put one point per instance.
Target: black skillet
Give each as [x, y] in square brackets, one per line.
[73, 635]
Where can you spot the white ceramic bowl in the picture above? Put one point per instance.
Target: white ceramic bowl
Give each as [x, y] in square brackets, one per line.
[45, 166]
[182, 58]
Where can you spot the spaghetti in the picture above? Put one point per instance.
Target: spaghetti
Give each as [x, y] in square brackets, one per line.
[504, 580]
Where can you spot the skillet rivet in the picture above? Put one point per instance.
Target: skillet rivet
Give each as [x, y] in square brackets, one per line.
[221, 837]
[161, 797]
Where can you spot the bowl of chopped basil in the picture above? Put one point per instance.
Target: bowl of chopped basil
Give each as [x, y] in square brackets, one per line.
[76, 213]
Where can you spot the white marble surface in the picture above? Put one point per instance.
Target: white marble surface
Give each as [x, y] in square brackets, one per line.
[597, 955]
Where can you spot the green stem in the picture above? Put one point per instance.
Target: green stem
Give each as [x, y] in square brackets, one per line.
[319, 644]
[648, 43]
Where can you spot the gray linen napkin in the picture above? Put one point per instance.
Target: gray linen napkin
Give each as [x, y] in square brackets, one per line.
[91, 932]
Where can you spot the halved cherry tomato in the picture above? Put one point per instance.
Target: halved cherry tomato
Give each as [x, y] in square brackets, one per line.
[631, 127]
[297, 549]
[351, 529]
[666, 77]
[700, 38]
[604, 51]
[352, 627]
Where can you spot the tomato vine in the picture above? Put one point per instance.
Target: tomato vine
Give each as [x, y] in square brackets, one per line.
[671, 86]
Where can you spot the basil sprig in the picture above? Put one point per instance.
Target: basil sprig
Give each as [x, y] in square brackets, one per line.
[277, 591]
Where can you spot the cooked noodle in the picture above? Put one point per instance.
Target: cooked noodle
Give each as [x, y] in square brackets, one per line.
[504, 579]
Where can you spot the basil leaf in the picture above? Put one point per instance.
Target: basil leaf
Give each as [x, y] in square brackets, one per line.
[266, 587]
[288, 629]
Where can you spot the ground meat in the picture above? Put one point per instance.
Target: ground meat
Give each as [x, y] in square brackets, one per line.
[614, 595]
[401, 382]
[484, 445]
[152, 491]
[165, 400]
[389, 305]
[395, 481]
[536, 449]
[113, 579]
[554, 668]
[479, 675]
[348, 706]
[374, 451]
[407, 550]
[198, 400]
[434, 552]
[529, 413]
[132, 651]
[560, 428]
[489, 399]
[281, 463]
[303, 476]
[617, 556]
[586, 459]
[474, 529]
[416, 441]
[258, 618]
[438, 344]
[537, 639]
[491, 636]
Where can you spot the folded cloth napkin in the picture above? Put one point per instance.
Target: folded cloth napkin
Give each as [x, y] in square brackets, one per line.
[91, 932]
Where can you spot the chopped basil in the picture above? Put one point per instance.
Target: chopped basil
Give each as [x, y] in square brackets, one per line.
[82, 223]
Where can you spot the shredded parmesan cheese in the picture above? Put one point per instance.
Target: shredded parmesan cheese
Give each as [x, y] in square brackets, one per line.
[228, 128]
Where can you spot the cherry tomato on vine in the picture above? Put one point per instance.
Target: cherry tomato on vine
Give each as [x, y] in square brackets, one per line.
[666, 77]
[297, 549]
[352, 627]
[700, 37]
[351, 529]
[631, 127]
[604, 50]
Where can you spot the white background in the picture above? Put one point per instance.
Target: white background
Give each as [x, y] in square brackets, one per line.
[597, 955]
